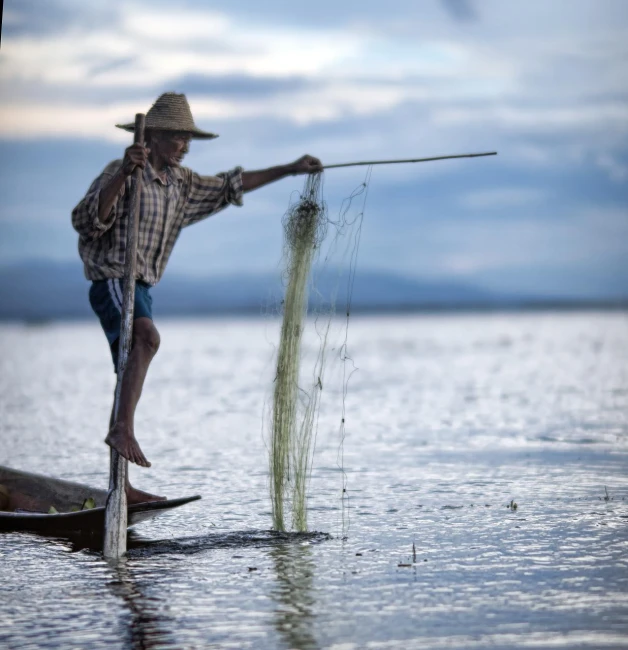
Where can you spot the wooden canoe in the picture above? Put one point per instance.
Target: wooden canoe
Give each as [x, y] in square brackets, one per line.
[25, 500]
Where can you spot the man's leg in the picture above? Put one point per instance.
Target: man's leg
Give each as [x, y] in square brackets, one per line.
[121, 435]
[133, 495]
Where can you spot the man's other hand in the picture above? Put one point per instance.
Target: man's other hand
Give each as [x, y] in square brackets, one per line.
[134, 156]
[307, 165]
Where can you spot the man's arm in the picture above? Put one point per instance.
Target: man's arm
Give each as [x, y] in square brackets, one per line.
[96, 212]
[207, 195]
[134, 156]
[304, 165]
[108, 196]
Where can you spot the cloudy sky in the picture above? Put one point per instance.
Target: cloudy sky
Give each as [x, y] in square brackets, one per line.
[544, 83]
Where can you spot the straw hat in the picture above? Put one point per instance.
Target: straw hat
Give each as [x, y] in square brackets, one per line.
[171, 112]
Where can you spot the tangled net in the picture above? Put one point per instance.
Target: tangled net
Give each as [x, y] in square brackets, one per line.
[295, 406]
[291, 437]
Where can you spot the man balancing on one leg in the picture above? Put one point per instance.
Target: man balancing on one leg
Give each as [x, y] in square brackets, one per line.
[172, 198]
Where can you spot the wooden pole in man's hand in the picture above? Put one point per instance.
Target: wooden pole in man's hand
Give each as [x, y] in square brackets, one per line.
[116, 510]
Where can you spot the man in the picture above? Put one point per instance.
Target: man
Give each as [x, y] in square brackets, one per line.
[173, 197]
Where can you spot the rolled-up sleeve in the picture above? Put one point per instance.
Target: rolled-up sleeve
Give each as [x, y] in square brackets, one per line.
[85, 219]
[207, 195]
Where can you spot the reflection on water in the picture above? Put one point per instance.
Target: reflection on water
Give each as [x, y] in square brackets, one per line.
[144, 593]
[146, 627]
[295, 618]
[149, 627]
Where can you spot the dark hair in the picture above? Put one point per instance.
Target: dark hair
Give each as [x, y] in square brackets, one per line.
[148, 135]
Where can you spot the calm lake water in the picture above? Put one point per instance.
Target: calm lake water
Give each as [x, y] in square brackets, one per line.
[448, 419]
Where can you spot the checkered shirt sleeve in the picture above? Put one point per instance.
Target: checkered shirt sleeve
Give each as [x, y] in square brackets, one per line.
[85, 215]
[206, 195]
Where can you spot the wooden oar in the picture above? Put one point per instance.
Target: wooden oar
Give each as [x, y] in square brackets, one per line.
[114, 545]
[409, 160]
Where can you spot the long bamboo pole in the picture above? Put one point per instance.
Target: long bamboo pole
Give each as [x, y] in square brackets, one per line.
[114, 545]
[409, 160]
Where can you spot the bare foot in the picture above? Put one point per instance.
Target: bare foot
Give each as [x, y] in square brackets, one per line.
[133, 495]
[121, 438]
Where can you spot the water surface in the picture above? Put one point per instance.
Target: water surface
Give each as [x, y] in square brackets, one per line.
[448, 420]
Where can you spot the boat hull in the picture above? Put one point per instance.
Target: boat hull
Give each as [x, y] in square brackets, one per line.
[36, 492]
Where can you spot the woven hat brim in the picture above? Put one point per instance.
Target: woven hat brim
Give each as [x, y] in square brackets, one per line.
[197, 134]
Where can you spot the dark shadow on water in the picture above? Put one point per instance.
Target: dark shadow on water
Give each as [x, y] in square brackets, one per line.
[142, 547]
[138, 547]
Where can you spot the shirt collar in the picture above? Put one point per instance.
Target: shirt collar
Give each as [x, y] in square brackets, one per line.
[176, 173]
[172, 173]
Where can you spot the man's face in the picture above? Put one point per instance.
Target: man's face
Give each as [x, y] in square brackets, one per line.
[172, 146]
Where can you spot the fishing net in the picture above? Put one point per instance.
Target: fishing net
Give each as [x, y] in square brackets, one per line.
[296, 402]
[297, 394]
[304, 229]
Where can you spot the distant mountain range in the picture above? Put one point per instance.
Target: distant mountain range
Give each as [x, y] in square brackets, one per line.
[46, 290]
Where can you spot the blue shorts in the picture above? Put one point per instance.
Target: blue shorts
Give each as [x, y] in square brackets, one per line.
[105, 297]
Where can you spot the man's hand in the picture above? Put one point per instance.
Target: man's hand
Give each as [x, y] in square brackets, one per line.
[134, 156]
[307, 165]
[304, 165]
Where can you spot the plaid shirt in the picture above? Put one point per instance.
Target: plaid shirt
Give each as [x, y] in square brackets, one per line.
[166, 208]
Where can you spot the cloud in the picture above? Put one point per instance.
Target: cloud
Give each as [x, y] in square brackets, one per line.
[543, 84]
[33, 17]
[147, 46]
[329, 103]
[608, 116]
[477, 88]
[474, 247]
[158, 46]
[461, 10]
[617, 170]
[502, 197]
